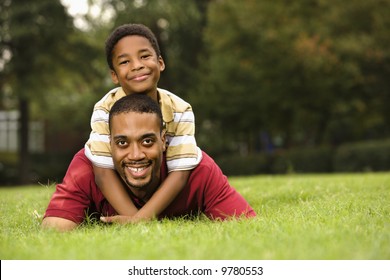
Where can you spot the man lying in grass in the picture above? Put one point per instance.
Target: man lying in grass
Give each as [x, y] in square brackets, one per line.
[137, 142]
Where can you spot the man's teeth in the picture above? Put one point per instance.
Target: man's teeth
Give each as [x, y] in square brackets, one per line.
[136, 169]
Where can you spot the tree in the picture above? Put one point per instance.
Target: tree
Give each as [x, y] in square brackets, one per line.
[45, 50]
[310, 71]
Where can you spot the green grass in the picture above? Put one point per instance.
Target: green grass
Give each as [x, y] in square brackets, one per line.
[343, 216]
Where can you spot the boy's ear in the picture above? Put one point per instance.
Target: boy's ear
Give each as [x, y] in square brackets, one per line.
[114, 77]
[162, 63]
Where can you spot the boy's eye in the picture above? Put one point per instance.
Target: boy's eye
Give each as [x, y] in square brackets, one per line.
[123, 62]
[145, 56]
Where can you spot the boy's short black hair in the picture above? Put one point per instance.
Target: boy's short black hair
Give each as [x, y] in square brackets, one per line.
[129, 30]
[138, 103]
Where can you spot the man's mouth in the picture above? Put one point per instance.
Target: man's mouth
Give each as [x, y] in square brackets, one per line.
[138, 171]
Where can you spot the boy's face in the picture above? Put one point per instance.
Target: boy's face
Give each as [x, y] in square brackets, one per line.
[137, 66]
[137, 145]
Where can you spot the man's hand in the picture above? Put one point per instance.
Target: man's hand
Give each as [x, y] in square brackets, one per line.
[121, 219]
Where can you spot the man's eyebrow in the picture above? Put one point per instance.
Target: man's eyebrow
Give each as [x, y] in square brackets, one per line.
[148, 135]
[143, 136]
[119, 136]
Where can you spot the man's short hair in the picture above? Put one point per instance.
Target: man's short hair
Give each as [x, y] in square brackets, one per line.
[138, 103]
[129, 29]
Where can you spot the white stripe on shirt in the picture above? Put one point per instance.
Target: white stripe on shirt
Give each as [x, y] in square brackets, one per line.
[99, 137]
[184, 163]
[99, 116]
[100, 161]
[184, 117]
[180, 140]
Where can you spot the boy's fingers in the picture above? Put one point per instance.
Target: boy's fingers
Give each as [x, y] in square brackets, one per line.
[116, 219]
[105, 219]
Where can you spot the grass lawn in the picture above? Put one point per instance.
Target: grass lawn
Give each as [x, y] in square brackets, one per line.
[339, 216]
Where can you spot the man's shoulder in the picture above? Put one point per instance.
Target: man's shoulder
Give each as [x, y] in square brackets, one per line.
[207, 163]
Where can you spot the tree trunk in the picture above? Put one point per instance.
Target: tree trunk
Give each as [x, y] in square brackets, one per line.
[24, 156]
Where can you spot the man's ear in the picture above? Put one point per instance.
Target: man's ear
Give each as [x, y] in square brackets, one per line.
[114, 77]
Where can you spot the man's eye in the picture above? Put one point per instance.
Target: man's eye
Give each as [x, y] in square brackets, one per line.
[121, 143]
[148, 142]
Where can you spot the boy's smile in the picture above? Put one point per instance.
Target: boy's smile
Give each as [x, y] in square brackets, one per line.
[137, 66]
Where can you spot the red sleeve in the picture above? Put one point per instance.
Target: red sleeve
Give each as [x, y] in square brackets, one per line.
[73, 196]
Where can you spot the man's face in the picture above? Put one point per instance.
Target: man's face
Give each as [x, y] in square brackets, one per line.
[137, 66]
[137, 146]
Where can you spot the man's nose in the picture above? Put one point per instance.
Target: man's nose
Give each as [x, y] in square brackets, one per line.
[135, 152]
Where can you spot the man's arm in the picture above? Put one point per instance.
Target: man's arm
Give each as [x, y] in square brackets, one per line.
[59, 224]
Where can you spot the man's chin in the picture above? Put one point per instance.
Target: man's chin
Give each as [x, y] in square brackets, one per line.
[137, 184]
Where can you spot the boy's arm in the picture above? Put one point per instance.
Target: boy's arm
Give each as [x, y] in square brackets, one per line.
[166, 193]
[113, 190]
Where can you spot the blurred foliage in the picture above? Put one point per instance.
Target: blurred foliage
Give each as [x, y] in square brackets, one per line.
[367, 156]
[48, 72]
[311, 72]
[363, 156]
[262, 76]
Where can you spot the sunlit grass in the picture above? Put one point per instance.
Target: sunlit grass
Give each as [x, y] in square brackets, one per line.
[299, 217]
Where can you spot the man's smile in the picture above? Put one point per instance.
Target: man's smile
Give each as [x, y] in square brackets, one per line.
[138, 170]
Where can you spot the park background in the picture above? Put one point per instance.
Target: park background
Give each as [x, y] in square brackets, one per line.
[276, 86]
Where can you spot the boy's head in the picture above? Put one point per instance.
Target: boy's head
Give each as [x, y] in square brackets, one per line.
[129, 30]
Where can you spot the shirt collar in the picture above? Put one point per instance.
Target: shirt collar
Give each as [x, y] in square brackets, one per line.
[165, 105]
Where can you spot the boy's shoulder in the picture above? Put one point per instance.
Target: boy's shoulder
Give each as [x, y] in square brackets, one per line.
[110, 98]
[170, 99]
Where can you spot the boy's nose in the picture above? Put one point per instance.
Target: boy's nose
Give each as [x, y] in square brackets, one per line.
[137, 64]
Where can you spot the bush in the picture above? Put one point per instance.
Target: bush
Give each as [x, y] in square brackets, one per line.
[303, 160]
[363, 156]
[352, 157]
[298, 160]
[45, 168]
[8, 168]
[244, 165]
[50, 167]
